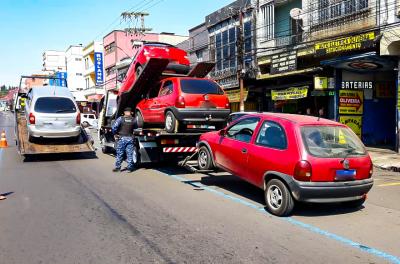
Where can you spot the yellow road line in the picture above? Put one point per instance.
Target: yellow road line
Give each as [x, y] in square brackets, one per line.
[390, 184]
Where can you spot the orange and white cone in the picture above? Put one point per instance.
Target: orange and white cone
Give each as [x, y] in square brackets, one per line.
[3, 140]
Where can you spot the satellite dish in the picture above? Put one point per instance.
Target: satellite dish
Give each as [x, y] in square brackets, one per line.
[296, 13]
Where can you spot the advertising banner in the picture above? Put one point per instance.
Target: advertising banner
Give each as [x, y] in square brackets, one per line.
[98, 68]
[234, 95]
[351, 102]
[354, 122]
[290, 93]
[284, 62]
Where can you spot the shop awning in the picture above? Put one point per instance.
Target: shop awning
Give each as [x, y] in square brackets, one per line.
[368, 61]
[95, 98]
[291, 73]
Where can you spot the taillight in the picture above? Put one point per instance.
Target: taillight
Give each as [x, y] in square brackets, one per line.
[180, 102]
[302, 171]
[227, 105]
[78, 118]
[32, 119]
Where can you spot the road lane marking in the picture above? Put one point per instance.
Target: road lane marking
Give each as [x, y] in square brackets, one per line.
[389, 184]
[345, 241]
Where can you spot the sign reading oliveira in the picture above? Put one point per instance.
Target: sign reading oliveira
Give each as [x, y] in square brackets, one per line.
[284, 62]
[356, 42]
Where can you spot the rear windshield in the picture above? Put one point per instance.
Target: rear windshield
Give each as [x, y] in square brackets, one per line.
[55, 105]
[331, 142]
[200, 87]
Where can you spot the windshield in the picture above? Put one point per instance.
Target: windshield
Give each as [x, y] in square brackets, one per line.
[55, 105]
[331, 142]
[198, 86]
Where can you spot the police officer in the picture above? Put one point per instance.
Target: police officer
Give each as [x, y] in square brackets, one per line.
[123, 129]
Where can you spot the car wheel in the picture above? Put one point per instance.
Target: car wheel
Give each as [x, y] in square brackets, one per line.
[171, 123]
[138, 71]
[278, 199]
[354, 204]
[204, 159]
[139, 119]
[85, 124]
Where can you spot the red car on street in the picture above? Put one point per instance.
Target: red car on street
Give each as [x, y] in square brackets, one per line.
[176, 102]
[292, 158]
[179, 62]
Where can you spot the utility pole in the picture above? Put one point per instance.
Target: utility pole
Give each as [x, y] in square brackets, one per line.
[132, 18]
[240, 59]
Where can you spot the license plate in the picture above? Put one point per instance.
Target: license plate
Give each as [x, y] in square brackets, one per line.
[345, 175]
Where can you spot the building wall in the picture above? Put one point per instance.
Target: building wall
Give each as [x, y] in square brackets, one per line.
[75, 68]
[171, 38]
[89, 69]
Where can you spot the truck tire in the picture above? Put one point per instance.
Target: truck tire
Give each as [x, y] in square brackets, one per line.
[136, 151]
[105, 149]
[204, 159]
[278, 198]
[171, 123]
[139, 119]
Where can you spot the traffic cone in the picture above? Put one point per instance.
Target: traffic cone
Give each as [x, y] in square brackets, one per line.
[3, 140]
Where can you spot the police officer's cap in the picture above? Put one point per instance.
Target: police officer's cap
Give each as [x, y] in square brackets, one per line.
[128, 109]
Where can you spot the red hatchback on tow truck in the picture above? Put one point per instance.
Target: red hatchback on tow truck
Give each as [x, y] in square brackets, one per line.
[292, 158]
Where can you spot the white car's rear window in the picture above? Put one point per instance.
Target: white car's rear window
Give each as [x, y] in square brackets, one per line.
[55, 105]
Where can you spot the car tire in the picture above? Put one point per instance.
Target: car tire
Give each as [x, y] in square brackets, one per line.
[278, 198]
[139, 119]
[138, 71]
[85, 123]
[354, 204]
[171, 123]
[204, 159]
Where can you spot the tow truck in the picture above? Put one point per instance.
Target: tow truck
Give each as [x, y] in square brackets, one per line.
[152, 145]
[27, 148]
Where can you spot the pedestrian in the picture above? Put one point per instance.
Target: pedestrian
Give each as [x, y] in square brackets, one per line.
[122, 130]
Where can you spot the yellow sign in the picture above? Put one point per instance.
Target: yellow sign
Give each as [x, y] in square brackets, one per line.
[361, 41]
[351, 102]
[322, 83]
[290, 93]
[234, 95]
[354, 122]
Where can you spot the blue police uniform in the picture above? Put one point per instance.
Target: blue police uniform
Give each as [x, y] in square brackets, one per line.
[124, 127]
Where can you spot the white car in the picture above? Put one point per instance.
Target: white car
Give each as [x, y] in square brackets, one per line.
[51, 112]
[89, 119]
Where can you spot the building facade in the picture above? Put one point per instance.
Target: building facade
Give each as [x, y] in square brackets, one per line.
[336, 59]
[75, 67]
[197, 44]
[93, 70]
[53, 61]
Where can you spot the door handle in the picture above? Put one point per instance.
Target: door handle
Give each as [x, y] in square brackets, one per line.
[244, 150]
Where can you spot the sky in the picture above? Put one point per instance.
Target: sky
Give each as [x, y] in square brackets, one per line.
[29, 27]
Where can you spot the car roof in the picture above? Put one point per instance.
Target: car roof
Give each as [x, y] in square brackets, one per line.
[300, 120]
[45, 91]
[158, 44]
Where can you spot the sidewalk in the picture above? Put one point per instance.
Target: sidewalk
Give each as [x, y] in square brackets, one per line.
[385, 159]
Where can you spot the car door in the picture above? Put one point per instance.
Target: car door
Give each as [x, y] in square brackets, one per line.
[148, 104]
[232, 150]
[163, 101]
[269, 152]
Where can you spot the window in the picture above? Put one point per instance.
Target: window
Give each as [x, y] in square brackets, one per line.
[87, 82]
[54, 105]
[78, 59]
[272, 135]
[218, 48]
[267, 17]
[243, 130]
[167, 88]
[86, 63]
[78, 74]
[199, 86]
[110, 48]
[110, 70]
[232, 47]
[199, 55]
[225, 50]
[326, 10]
[331, 142]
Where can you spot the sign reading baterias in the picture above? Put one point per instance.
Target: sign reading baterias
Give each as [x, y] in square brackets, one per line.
[98, 68]
[356, 42]
[290, 93]
[284, 62]
[357, 85]
[351, 102]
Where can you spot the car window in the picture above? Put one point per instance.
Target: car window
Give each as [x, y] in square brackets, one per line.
[91, 116]
[154, 91]
[166, 89]
[243, 130]
[199, 86]
[331, 141]
[53, 105]
[272, 135]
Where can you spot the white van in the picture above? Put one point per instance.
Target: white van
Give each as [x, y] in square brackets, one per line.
[51, 112]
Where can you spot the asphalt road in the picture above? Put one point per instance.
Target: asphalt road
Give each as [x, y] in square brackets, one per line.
[71, 209]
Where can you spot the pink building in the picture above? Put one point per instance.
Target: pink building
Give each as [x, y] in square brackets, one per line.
[121, 46]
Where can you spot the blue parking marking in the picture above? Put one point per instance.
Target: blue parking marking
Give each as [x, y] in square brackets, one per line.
[345, 241]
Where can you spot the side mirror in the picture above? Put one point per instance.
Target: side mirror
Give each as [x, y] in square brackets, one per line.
[222, 132]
